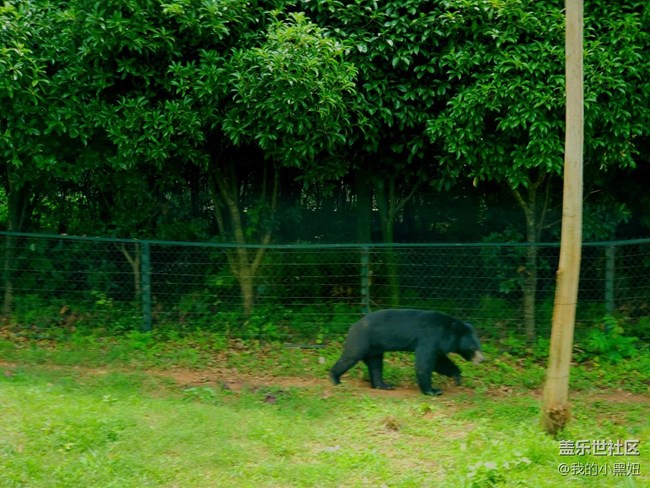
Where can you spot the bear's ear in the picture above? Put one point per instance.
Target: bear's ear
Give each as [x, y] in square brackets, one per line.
[454, 339]
[448, 343]
[466, 343]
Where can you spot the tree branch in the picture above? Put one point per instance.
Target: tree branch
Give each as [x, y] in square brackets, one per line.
[520, 200]
[259, 255]
[409, 195]
[126, 254]
[542, 214]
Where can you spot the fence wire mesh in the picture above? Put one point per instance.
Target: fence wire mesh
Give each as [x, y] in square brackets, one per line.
[305, 291]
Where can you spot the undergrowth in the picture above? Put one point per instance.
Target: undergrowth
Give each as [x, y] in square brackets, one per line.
[604, 357]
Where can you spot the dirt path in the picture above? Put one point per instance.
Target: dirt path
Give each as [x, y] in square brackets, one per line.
[231, 379]
[234, 380]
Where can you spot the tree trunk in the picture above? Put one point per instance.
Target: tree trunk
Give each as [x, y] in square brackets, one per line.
[387, 207]
[244, 262]
[19, 209]
[530, 273]
[530, 293]
[534, 217]
[392, 270]
[363, 223]
[9, 258]
[555, 407]
[136, 268]
[364, 207]
[246, 283]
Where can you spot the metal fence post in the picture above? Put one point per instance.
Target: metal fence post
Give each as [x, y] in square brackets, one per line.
[365, 280]
[145, 262]
[610, 270]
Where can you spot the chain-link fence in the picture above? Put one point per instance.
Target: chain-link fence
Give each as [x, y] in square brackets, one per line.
[307, 291]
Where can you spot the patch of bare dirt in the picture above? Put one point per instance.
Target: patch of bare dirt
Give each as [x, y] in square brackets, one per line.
[232, 379]
[235, 380]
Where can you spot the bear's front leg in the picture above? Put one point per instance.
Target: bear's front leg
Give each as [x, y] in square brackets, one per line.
[447, 367]
[376, 371]
[424, 361]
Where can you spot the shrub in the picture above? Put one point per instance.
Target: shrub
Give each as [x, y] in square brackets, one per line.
[608, 342]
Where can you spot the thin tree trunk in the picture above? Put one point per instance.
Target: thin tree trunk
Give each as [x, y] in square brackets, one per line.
[530, 276]
[9, 258]
[247, 287]
[530, 293]
[555, 406]
[364, 206]
[244, 262]
[389, 206]
[134, 261]
[387, 212]
[19, 208]
[534, 222]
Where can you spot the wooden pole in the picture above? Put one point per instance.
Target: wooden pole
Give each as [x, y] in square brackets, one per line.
[555, 407]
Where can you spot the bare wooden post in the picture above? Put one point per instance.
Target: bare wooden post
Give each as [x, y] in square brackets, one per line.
[555, 407]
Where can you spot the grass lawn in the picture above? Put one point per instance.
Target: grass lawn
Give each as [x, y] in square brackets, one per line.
[94, 415]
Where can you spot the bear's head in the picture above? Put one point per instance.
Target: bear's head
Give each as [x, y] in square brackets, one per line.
[469, 347]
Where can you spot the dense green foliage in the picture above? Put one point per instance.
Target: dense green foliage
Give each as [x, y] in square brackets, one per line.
[294, 121]
[156, 99]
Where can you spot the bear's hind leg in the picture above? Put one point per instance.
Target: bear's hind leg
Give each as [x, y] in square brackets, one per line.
[376, 371]
[341, 366]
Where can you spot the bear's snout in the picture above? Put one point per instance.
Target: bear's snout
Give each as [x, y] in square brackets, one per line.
[478, 357]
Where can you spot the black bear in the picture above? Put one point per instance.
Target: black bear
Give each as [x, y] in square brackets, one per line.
[431, 335]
